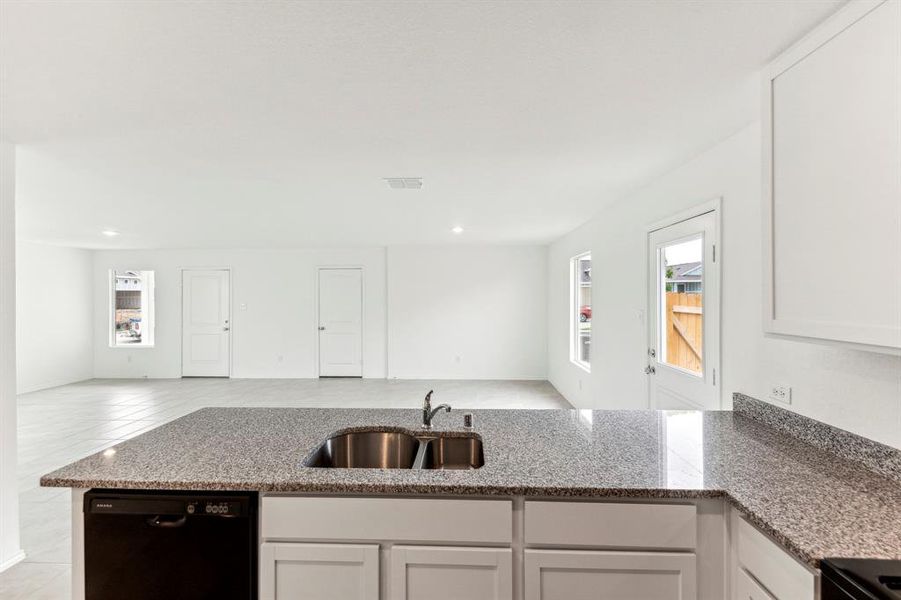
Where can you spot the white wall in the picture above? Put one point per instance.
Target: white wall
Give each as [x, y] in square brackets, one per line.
[857, 391]
[472, 312]
[54, 315]
[483, 304]
[275, 336]
[10, 551]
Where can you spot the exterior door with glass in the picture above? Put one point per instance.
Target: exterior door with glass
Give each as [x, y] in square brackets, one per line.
[683, 323]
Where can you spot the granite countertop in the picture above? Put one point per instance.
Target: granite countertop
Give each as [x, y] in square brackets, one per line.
[815, 503]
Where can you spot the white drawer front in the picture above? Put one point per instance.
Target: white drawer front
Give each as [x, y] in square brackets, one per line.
[397, 519]
[611, 525]
[773, 567]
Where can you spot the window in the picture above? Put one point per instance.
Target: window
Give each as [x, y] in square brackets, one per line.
[580, 321]
[131, 308]
[682, 305]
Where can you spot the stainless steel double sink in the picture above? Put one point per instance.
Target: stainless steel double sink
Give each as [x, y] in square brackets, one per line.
[398, 449]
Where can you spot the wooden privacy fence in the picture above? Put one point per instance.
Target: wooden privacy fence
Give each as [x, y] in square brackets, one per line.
[684, 330]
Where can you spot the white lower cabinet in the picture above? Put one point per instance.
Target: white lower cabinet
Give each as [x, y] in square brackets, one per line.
[292, 571]
[353, 548]
[596, 575]
[356, 548]
[451, 573]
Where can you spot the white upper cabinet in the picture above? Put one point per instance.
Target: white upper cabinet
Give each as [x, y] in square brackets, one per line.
[832, 181]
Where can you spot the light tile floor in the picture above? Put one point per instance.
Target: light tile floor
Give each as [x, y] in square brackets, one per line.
[60, 425]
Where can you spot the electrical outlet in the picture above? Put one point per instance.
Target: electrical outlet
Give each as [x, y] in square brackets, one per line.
[781, 393]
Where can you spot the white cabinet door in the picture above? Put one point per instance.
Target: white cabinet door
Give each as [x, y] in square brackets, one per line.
[746, 588]
[832, 181]
[574, 575]
[445, 573]
[775, 569]
[291, 571]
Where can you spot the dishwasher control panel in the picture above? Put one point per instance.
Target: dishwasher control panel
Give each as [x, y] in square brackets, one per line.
[169, 504]
[214, 507]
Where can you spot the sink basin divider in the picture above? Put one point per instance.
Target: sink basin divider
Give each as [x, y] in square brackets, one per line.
[419, 461]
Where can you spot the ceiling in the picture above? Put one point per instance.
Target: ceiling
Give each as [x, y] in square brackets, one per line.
[272, 124]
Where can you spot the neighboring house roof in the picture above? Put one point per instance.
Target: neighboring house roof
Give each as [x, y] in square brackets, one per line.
[128, 280]
[685, 272]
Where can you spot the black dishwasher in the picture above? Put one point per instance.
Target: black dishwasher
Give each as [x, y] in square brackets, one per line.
[170, 545]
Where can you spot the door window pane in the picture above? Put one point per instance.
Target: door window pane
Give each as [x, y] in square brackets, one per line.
[581, 322]
[682, 304]
[132, 295]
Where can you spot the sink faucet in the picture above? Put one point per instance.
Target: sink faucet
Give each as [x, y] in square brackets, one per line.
[428, 413]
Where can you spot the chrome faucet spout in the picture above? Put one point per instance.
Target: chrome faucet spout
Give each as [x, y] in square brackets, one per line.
[428, 413]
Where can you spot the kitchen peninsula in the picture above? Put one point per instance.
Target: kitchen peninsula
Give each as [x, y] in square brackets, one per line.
[705, 502]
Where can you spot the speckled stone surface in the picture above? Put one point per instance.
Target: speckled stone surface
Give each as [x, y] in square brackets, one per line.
[877, 457]
[813, 502]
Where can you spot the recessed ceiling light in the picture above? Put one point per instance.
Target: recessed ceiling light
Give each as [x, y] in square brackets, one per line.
[404, 183]
[109, 233]
[458, 230]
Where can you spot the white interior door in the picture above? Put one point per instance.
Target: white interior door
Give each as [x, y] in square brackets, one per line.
[683, 323]
[206, 326]
[340, 323]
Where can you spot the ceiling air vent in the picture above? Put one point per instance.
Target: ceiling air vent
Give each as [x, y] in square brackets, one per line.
[404, 183]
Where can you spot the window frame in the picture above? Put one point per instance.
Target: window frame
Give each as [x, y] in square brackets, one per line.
[575, 308]
[148, 315]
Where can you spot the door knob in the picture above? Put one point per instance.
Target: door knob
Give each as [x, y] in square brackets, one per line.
[321, 328]
[225, 328]
[649, 370]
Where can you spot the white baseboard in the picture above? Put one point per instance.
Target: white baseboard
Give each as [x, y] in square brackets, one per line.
[447, 377]
[46, 385]
[16, 558]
